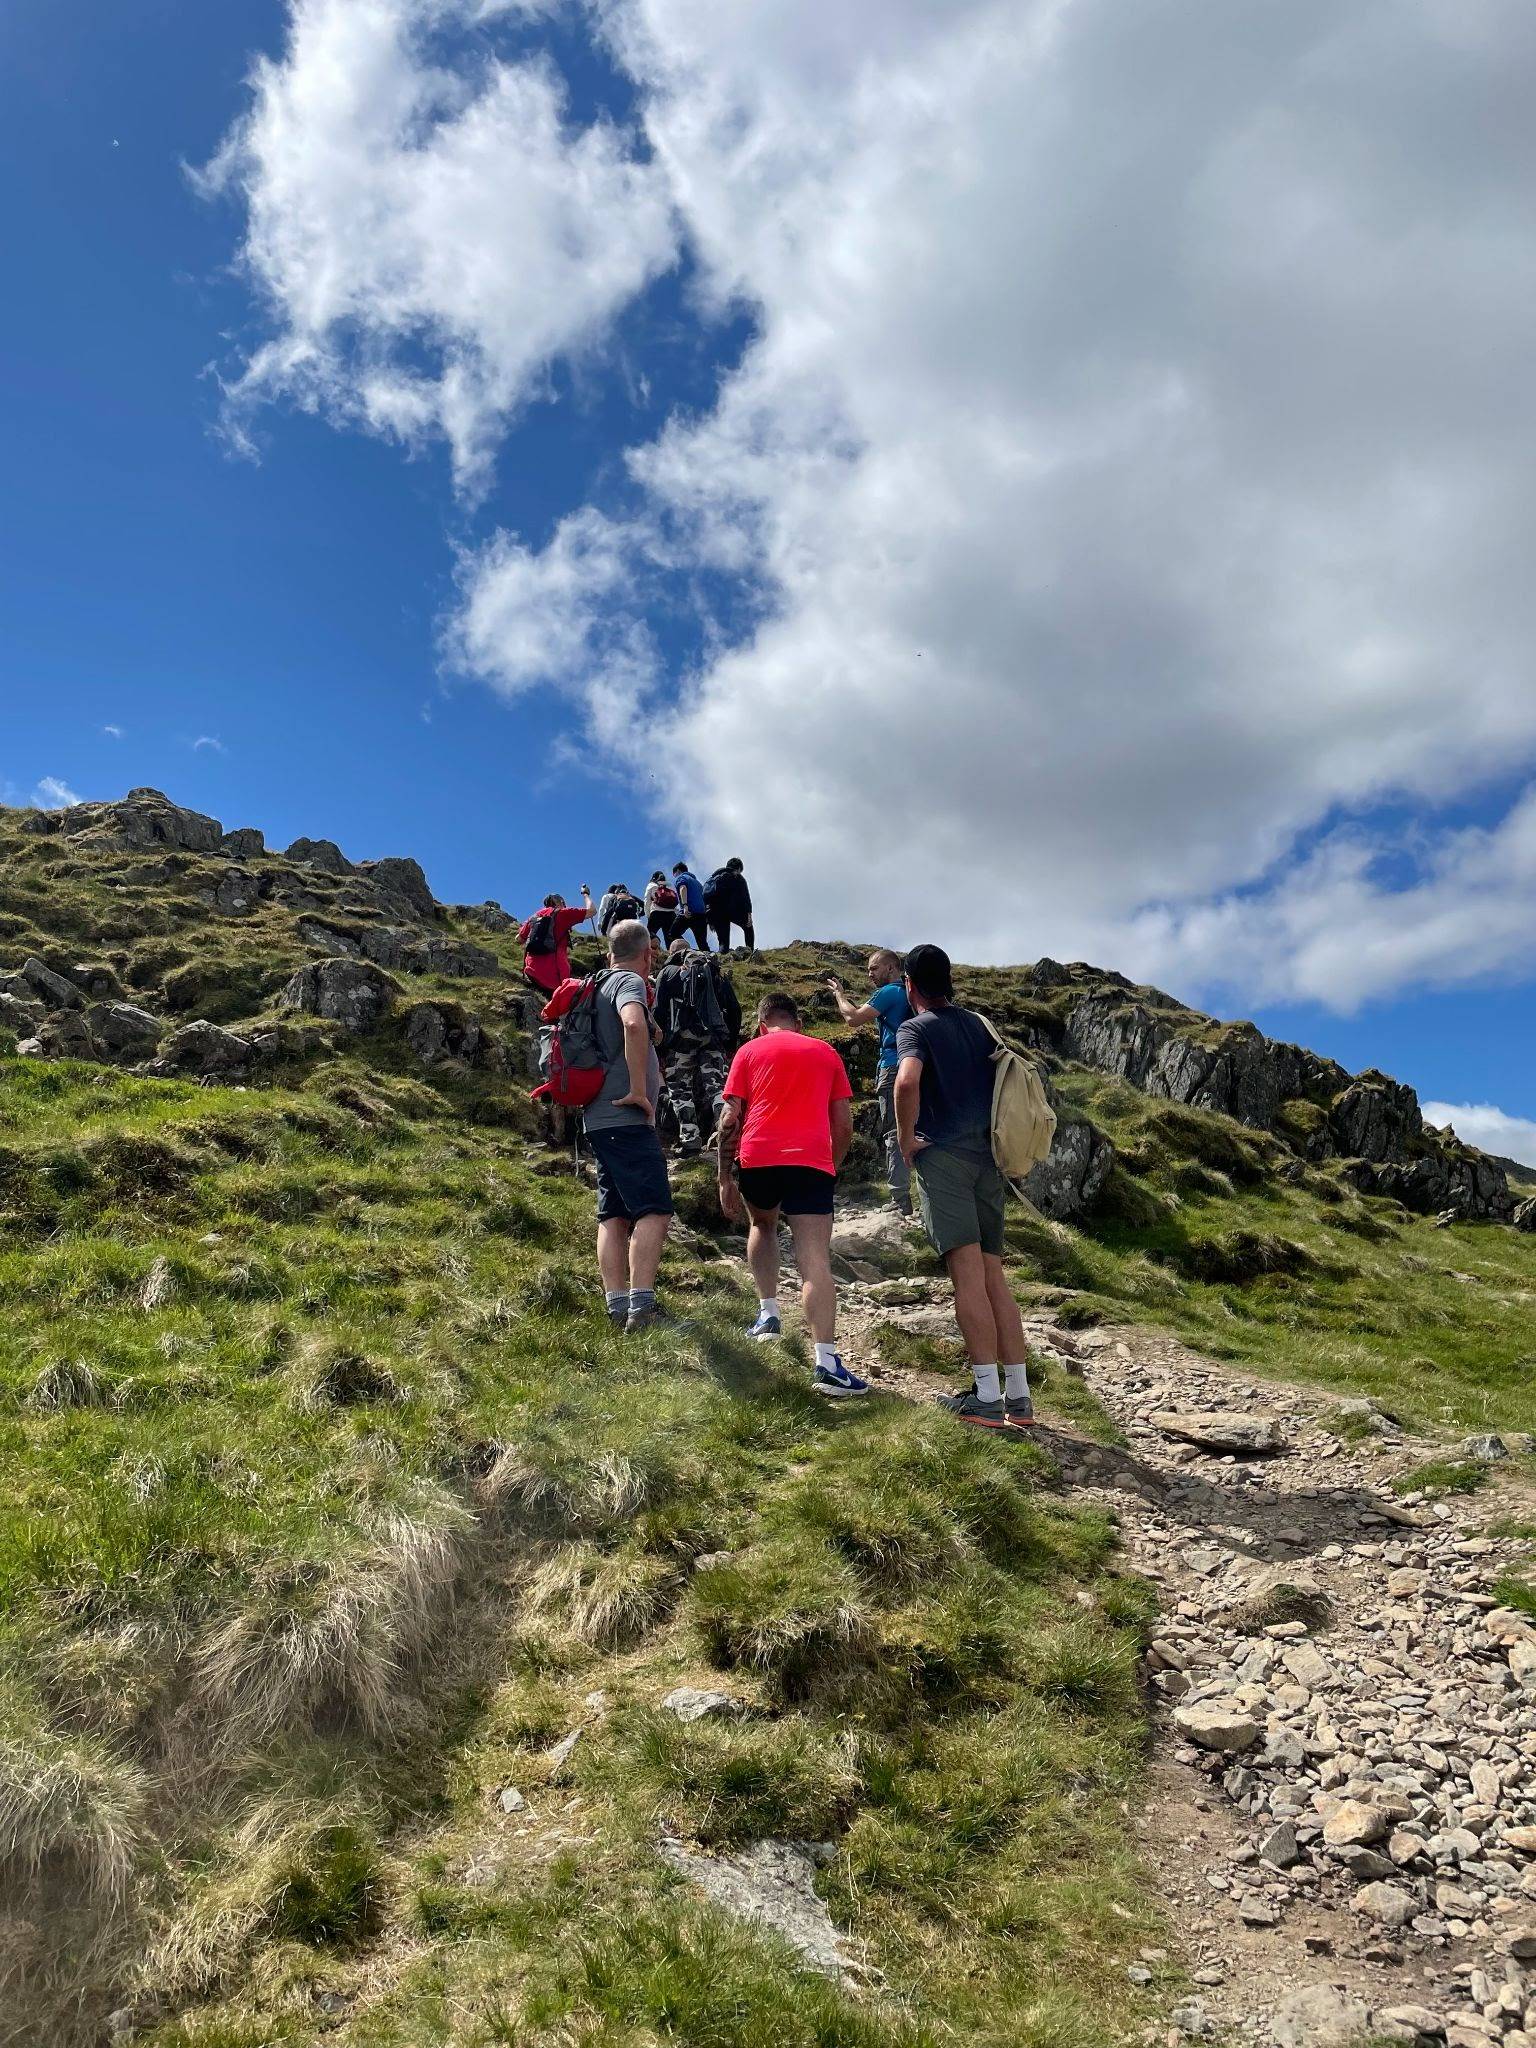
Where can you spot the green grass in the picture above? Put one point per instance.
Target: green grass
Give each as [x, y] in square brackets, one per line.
[1443, 1475]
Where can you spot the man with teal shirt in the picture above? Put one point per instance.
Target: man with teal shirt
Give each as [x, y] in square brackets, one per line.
[887, 1007]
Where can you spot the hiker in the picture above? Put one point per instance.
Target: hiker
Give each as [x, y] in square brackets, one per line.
[634, 1198]
[788, 1124]
[944, 1086]
[696, 1043]
[689, 917]
[889, 1009]
[728, 901]
[619, 904]
[546, 941]
[660, 907]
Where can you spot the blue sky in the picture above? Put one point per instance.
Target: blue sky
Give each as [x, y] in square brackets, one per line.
[1227, 704]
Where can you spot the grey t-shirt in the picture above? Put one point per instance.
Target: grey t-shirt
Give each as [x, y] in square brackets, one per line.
[955, 1047]
[622, 986]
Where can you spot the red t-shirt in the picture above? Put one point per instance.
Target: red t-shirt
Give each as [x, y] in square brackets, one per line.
[550, 969]
[789, 1082]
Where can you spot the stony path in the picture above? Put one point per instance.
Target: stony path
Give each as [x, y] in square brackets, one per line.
[1342, 1804]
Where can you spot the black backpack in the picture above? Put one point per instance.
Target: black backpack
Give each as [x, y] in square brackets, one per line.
[541, 935]
[689, 1004]
[624, 908]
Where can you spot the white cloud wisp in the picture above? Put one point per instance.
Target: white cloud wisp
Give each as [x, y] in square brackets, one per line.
[1490, 1129]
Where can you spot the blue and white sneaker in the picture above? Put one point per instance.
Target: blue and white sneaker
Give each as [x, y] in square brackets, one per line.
[766, 1325]
[837, 1381]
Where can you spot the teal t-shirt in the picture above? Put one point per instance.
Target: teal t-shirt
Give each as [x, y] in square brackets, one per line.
[890, 1005]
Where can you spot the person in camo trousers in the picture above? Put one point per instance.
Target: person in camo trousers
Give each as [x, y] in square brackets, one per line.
[696, 1041]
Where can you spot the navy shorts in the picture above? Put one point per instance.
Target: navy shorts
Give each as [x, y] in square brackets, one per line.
[631, 1174]
[797, 1190]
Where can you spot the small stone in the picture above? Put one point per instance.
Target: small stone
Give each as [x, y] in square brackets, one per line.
[1486, 1784]
[1521, 1942]
[510, 1800]
[1256, 1913]
[1354, 1822]
[1485, 1449]
[1522, 1662]
[1388, 1903]
[1138, 1973]
[1279, 1847]
[1210, 1725]
[1363, 1864]
[1192, 2020]
[689, 1703]
[558, 1757]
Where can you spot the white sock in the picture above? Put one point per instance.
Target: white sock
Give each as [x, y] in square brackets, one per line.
[1016, 1380]
[987, 1382]
[768, 1305]
[617, 1298]
[827, 1355]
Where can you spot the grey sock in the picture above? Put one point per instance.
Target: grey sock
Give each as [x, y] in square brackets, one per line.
[641, 1298]
[618, 1301]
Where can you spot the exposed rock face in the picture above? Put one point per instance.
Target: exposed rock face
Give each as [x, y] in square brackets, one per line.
[489, 914]
[323, 854]
[245, 842]
[123, 1030]
[403, 880]
[352, 993]
[236, 893]
[1067, 1182]
[144, 817]
[19, 1016]
[1222, 1430]
[205, 1049]
[447, 1031]
[1524, 1217]
[64, 1036]
[32, 982]
[408, 951]
[1370, 1120]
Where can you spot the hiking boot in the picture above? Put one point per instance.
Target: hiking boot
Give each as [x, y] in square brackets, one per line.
[644, 1319]
[837, 1382]
[1020, 1411]
[766, 1326]
[618, 1317]
[968, 1406]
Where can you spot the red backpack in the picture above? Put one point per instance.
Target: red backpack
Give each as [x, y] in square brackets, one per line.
[570, 1058]
[664, 896]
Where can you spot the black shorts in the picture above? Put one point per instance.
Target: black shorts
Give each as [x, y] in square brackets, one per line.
[797, 1190]
[631, 1174]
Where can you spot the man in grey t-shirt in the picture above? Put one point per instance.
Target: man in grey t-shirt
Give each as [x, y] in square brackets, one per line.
[634, 1197]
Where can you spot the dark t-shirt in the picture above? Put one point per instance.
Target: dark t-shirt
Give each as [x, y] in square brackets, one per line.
[955, 1048]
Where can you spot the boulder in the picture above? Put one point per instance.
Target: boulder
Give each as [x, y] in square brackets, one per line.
[204, 1049]
[1388, 1904]
[94, 978]
[352, 993]
[65, 1035]
[236, 893]
[403, 880]
[1222, 1430]
[1524, 1217]
[323, 854]
[1320, 2016]
[770, 1884]
[1214, 1725]
[1355, 1823]
[245, 842]
[44, 986]
[1069, 1179]
[1414, 2024]
[691, 1703]
[446, 1031]
[489, 914]
[144, 818]
[458, 959]
[18, 1015]
[1376, 1118]
[123, 1030]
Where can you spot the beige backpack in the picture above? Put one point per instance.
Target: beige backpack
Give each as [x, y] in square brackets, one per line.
[1023, 1121]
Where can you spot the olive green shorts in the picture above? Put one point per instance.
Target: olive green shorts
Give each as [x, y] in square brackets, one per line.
[960, 1195]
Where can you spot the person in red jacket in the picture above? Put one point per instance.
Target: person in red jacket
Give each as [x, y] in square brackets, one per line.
[546, 941]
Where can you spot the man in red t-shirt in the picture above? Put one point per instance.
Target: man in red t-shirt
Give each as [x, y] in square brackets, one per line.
[788, 1123]
[546, 941]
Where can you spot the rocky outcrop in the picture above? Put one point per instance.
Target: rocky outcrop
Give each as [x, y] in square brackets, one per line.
[32, 982]
[143, 818]
[1313, 1104]
[323, 854]
[245, 842]
[408, 952]
[1070, 1178]
[122, 1031]
[1524, 1217]
[489, 914]
[203, 1049]
[237, 892]
[353, 993]
[403, 881]
[447, 1031]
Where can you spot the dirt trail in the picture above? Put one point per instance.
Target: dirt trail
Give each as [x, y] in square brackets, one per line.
[1342, 1802]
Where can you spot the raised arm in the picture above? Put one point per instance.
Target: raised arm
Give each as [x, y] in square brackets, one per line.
[847, 1009]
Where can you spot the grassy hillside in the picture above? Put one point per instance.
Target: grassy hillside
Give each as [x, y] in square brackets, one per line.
[335, 1505]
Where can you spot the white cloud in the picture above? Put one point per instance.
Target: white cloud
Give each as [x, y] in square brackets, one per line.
[1128, 480]
[210, 743]
[53, 794]
[1491, 1129]
[428, 231]
[113, 732]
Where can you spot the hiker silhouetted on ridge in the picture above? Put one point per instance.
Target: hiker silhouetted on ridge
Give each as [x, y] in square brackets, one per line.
[789, 1122]
[619, 902]
[727, 902]
[660, 907]
[944, 1085]
[690, 920]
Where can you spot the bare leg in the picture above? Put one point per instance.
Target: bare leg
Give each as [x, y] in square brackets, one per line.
[1012, 1350]
[973, 1304]
[613, 1254]
[647, 1236]
[763, 1251]
[818, 1289]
